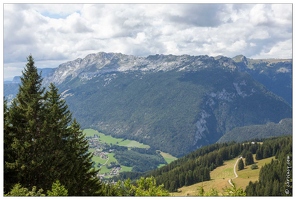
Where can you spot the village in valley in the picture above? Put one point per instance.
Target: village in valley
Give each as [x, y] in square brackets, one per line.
[115, 155]
[102, 150]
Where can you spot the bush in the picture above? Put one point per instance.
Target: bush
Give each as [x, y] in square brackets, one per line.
[254, 166]
[18, 190]
[57, 190]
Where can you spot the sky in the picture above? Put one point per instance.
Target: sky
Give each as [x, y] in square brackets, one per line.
[57, 33]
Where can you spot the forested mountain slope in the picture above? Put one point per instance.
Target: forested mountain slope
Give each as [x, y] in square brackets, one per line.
[245, 133]
[173, 103]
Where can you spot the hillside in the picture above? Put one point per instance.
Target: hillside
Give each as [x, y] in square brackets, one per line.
[274, 74]
[175, 104]
[221, 175]
[200, 165]
[284, 127]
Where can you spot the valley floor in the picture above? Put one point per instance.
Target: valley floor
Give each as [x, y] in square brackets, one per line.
[104, 158]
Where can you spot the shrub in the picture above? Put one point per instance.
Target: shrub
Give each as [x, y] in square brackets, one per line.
[254, 166]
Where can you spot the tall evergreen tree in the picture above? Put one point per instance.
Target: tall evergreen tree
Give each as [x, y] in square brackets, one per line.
[25, 123]
[42, 143]
[9, 154]
[240, 164]
[259, 155]
[84, 181]
[56, 125]
[249, 158]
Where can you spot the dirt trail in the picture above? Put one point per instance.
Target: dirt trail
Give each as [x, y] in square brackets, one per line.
[106, 161]
[234, 171]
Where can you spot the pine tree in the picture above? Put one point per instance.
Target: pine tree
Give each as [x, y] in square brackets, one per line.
[25, 122]
[9, 154]
[240, 164]
[249, 158]
[259, 155]
[84, 180]
[56, 125]
[219, 160]
[42, 143]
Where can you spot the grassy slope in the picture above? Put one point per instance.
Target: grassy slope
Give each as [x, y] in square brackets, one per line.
[221, 175]
[168, 157]
[111, 140]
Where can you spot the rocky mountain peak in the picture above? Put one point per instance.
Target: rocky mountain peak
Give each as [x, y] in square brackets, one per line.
[99, 63]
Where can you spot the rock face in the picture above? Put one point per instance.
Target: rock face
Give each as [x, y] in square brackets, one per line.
[96, 64]
[274, 74]
[172, 103]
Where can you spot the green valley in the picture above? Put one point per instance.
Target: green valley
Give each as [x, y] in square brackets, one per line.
[114, 155]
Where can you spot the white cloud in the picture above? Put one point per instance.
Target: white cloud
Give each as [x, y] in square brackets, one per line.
[281, 49]
[282, 14]
[258, 14]
[259, 34]
[68, 31]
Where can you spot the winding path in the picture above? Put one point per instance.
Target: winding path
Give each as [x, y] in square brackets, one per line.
[106, 161]
[234, 171]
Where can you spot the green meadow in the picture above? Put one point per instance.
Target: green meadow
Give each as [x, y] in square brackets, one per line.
[168, 157]
[117, 141]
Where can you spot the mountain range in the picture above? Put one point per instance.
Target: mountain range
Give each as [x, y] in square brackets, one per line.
[173, 103]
